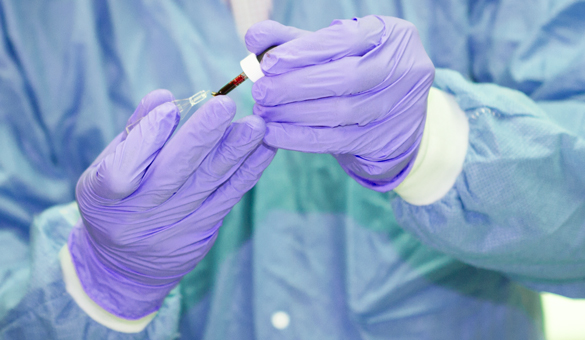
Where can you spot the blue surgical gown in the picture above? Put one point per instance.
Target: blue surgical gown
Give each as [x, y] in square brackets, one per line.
[342, 261]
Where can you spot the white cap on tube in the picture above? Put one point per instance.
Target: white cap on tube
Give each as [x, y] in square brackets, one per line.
[251, 67]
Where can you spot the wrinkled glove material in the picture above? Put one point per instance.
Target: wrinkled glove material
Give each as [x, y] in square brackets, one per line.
[151, 207]
[357, 90]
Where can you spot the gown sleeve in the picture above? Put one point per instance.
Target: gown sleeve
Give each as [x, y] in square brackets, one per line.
[39, 307]
[518, 205]
[43, 149]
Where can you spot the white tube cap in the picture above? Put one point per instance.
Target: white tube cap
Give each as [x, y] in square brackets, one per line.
[251, 67]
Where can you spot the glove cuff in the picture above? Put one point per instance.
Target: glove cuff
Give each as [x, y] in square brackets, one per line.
[442, 152]
[425, 173]
[113, 292]
[388, 174]
[90, 307]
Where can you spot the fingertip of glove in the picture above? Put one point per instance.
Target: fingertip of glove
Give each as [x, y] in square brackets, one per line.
[249, 128]
[224, 103]
[259, 90]
[149, 103]
[257, 36]
[260, 111]
[255, 123]
[270, 59]
[223, 107]
[270, 137]
[167, 110]
[157, 97]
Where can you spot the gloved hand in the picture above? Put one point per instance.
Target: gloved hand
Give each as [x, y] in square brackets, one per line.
[356, 89]
[151, 206]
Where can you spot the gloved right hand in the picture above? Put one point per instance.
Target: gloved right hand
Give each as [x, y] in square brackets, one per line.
[151, 206]
[357, 90]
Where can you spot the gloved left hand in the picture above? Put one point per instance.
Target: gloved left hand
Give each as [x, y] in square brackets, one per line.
[151, 205]
[356, 89]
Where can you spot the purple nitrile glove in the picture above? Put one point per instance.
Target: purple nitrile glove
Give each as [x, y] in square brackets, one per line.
[356, 89]
[151, 206]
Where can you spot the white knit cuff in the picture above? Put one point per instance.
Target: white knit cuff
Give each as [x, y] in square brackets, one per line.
[92, 309]
[441, 154]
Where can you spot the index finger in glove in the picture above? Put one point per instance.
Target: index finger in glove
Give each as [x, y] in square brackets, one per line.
[352, 139]
[148, 103]
[183, 154]
[343, 38]
[268, 33]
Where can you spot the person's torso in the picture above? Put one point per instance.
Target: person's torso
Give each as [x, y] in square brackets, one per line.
[307, 244]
